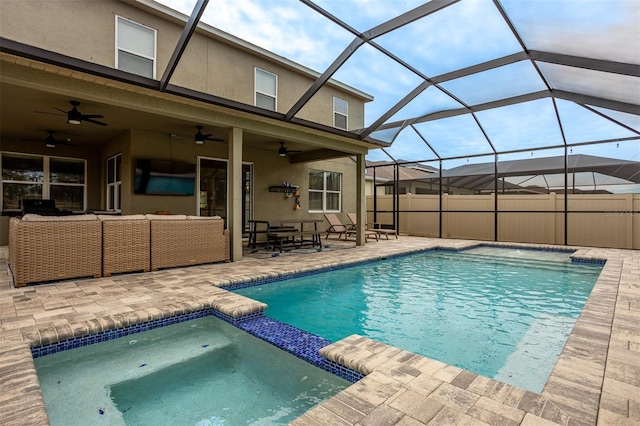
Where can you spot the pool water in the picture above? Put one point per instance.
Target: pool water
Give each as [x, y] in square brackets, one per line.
[200, 372]
[505, 314]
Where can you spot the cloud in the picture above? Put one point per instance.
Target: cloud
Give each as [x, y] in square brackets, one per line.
[287, 28]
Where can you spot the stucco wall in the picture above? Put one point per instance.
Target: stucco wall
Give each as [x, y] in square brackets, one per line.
[274, 206]
[268, 170]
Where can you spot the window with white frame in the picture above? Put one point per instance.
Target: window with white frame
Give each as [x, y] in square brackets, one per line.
[135, 48]
[114, 182]
[340, 113]
[325, 191]
[266, 85]
[43, 177]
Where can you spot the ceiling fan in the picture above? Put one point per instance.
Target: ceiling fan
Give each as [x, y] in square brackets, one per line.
[51, 142]
[283, 150]
[76, 117]
[201, 139]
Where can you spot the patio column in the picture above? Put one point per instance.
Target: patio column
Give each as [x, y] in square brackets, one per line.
[234, 219]
[361, 203]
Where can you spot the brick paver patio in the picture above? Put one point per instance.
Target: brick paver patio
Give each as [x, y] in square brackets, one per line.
[595, 381]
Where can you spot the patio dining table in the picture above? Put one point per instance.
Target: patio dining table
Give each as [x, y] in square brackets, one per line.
[281, 231]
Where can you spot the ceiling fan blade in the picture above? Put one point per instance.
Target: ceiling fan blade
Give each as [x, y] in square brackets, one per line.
[50, 113]
[283, 151]
[209, 137]
[89, 120]
[86, 117]
[61, 110]
[50, 141]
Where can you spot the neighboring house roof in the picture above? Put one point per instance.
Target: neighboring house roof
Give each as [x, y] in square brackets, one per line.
[624, 169]
[384, 171]
[585, 170]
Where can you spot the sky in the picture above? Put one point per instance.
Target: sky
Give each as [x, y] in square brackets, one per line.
[466, 33]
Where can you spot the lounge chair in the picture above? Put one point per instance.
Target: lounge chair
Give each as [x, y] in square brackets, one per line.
[336, 226]
[378, 231]
[369, 233]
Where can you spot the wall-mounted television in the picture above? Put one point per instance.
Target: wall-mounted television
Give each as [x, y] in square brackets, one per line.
[164, 177]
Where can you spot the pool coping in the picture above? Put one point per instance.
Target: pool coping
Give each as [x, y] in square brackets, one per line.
[22, 401]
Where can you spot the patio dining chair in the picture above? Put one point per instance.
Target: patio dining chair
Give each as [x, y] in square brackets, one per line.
[378, 231]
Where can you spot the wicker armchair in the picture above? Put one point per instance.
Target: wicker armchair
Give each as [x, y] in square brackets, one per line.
[125, 244]
[178, 240]
[46, 248]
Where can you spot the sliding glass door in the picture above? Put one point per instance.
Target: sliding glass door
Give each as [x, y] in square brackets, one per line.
[213, 189]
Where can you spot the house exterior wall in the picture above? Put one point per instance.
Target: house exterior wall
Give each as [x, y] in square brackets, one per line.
[274, 205]
[268, 170]
[210, 64]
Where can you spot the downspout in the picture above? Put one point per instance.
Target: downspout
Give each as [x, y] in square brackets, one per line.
[440, 202]
[495, 199]
[396, 197]
[375, 196]
[566, 195]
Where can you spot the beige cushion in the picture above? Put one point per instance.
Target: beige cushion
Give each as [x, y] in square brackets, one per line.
[203, 217]
[31, 217]
[123, 217]
[166, 216]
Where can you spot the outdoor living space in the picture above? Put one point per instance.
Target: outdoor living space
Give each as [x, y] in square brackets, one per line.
[595, 381]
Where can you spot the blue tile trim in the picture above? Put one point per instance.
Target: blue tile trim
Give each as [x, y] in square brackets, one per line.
[516, 246]
[103, 336]
[591, 261]
[235, 321]
[303, 345]
[283, 277]
[344, 372]
[300, 343]
[293, 275]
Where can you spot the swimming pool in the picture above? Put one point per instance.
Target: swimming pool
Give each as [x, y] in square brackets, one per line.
[505, 314]
[199, 372]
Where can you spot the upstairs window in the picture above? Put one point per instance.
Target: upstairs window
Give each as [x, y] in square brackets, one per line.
[266, 89]
[340, 113]
[135, 48]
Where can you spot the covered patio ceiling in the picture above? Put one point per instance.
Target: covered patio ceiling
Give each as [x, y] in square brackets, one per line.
[28, 113]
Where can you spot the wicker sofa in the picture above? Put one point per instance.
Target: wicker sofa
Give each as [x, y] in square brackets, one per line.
[45, 248]
[125, 244]
[178, 240]
[48, 248]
